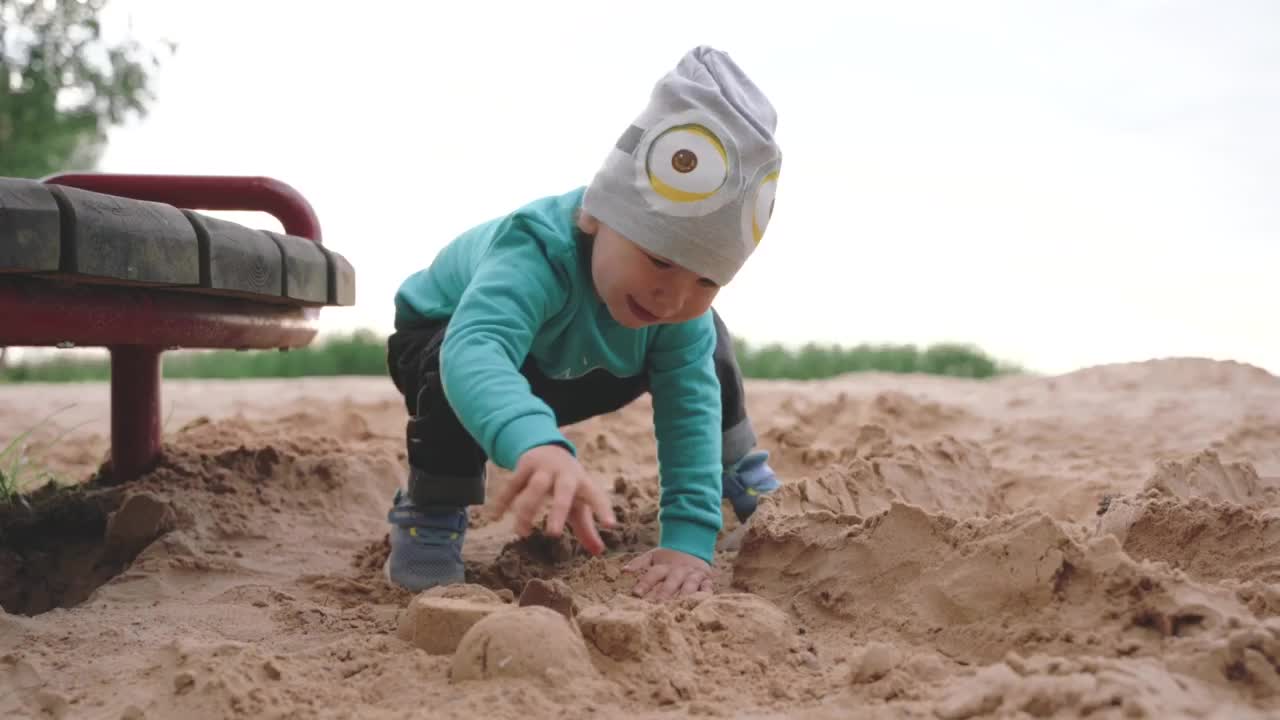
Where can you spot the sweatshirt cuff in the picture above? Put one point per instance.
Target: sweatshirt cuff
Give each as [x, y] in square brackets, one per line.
[525, 433]
[692, 538]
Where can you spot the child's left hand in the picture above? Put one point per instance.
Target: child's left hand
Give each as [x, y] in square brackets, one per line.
[669, 573]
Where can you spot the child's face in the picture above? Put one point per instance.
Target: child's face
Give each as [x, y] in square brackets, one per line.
[641, 288]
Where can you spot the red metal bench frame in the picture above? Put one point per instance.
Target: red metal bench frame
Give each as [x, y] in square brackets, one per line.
[137, 324]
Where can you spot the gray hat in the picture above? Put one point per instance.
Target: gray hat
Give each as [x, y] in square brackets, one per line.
[693, 179]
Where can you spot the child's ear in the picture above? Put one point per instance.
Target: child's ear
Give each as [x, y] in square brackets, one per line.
[587, 223]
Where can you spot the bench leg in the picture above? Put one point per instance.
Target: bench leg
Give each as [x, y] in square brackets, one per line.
[135, 410]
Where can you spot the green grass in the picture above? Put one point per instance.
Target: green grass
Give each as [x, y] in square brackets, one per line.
[19, 469]
[815, 362]
[364, 353]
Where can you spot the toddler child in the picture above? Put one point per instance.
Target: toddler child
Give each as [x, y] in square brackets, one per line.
[573, 306]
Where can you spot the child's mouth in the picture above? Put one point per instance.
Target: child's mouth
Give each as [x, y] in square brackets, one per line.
[639, 311]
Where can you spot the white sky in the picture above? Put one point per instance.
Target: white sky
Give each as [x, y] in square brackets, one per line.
[953, 171]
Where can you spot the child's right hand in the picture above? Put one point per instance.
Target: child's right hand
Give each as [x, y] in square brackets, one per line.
[551, 470]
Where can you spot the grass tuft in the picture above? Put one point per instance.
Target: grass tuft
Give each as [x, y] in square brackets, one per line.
[19, 470]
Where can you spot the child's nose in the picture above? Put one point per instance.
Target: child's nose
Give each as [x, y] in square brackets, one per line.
[668, 301]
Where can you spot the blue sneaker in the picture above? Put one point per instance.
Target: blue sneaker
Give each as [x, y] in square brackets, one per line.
[426, 545]
[746, 481]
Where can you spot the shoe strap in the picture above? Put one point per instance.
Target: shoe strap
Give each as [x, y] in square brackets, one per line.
[750, 472]
[454, 520]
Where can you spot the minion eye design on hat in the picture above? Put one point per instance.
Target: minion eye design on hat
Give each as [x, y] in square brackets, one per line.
[762, 208]
[693, 177]
[687, 163]
[758, 200]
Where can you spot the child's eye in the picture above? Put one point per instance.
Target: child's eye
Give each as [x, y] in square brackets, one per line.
[659, 263]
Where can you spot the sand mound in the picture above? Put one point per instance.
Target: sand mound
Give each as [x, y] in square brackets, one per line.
[977, 590]
[704, 651]
[1205, 476]
[527, 642]
[1182, 373]
[873, 470]
[1208, 541]
[244, 470]
[1052, 687]
[437, 620]
[1215, 521]
[1095, 545]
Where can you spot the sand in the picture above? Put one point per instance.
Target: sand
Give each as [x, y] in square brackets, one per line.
[1101, 544]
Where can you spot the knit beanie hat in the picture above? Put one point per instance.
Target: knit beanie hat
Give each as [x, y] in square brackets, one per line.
[693, 179]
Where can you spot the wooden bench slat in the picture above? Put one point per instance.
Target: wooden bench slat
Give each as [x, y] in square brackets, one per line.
[64, 231]
[342, 279]
[306, 269]
[112, 238]
[30, 227]
[237, 259]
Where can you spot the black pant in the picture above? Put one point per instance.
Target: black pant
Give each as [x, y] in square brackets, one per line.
[447, 465]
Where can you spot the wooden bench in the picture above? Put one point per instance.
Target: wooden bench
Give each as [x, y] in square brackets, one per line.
[127, 262]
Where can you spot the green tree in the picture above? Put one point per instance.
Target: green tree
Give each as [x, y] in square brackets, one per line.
[62, 85]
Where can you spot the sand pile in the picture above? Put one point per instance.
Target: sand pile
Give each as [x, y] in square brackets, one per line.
[1213, 520]
[1102, 544]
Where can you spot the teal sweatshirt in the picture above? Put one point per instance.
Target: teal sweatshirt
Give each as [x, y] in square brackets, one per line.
[517, 287]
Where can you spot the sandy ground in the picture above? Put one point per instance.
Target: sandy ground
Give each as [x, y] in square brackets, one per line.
[1102, 544]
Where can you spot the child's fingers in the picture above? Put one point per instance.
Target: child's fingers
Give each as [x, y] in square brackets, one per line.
[651, 578]
[514, 485]
[526, 505]
[707, 585]
[672, 583]
[599, 501]
[584, 528]
[639, 563]
[693, 583]
[561, 502]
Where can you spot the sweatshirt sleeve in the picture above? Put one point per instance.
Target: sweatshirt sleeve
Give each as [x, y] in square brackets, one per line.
[686, 413]
[514, 290]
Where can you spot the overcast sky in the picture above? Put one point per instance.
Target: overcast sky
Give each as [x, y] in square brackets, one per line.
[1063, 184]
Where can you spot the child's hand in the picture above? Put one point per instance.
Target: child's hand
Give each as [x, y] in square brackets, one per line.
[670, 573]
[552, 470]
